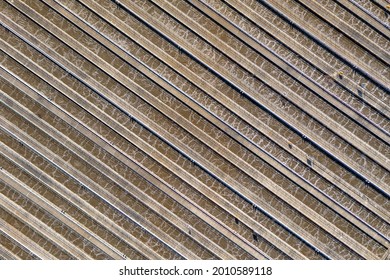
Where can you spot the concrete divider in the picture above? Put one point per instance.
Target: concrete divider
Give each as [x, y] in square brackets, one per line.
[343, 27]
[340, 52]
[312, 58]
[7, 254]
[42, 228]
[27, 242]
[105, 196]
[365, 15]
[249, 92]
[66, 219]
[159, 130]
[127, 186]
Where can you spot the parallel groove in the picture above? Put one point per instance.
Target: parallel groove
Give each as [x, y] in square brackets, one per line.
[183, 129]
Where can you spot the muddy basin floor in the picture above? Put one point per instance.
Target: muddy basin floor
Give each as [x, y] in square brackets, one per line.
[194, 129]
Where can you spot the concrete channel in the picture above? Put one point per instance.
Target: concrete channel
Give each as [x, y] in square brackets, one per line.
[120, 181]
[308, 133]
[329, 67]
[123, 158]
[365, 68]
[135, 132]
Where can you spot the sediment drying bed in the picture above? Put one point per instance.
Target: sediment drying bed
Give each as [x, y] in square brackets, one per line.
[198, 129]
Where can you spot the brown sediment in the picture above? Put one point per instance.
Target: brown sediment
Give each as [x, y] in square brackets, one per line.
[16, 248]
[137, 128]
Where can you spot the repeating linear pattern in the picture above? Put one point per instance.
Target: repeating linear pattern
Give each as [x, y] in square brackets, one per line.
[194, 129]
